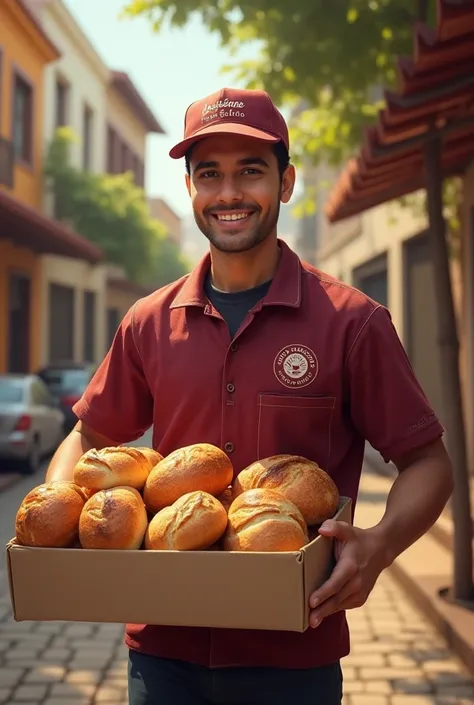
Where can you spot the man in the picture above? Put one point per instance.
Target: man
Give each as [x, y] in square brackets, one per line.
[259, 353]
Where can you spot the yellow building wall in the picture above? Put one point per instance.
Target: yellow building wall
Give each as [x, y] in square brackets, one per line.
[23, 49]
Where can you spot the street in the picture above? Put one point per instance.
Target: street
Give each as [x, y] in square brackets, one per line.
[397, 657]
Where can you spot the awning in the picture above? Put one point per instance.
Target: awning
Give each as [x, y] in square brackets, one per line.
[435, 93]
[27, 227]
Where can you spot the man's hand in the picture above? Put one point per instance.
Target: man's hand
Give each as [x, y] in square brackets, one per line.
[360, 559]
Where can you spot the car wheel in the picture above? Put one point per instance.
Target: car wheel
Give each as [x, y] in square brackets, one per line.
[33, 461]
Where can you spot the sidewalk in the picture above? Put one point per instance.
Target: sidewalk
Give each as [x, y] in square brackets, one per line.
[397, 657]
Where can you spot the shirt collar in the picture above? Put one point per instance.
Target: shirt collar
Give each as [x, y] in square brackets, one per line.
[285, 289]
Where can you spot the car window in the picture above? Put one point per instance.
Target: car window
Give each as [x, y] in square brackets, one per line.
[66, 380]
[12, 391]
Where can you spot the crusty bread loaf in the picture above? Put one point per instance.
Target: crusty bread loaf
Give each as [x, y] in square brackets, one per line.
[300, 480]
[264, 520]
[49, 515]
[112, 467]
[195, 521]
[153, 456]
[113, 519]
[196, 467]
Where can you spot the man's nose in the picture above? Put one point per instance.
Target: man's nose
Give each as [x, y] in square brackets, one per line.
[229, 191]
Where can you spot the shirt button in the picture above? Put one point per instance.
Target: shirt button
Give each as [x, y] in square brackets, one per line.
[229, 447]
[234, 347]
[230, 387]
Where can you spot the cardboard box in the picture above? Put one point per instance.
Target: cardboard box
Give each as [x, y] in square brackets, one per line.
[192, 588]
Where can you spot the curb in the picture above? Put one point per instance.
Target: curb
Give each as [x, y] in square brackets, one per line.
[454, 623]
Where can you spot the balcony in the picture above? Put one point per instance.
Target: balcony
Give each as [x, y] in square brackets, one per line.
[7, 161]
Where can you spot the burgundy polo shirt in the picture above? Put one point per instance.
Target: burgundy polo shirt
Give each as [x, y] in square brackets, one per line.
[315, 369]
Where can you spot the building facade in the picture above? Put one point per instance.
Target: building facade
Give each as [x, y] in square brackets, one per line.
[26, 235]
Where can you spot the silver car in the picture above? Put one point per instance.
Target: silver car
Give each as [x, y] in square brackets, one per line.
[31, 425]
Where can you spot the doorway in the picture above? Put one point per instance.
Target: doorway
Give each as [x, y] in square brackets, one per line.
[19, 315]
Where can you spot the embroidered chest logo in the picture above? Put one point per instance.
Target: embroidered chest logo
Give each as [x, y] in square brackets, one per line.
[296, 366]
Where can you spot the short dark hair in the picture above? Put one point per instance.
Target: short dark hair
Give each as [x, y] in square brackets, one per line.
[279, 149]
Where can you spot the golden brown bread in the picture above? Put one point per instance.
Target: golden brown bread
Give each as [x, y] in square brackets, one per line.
[195, 521]
[153, 456]
[264, 520]
[112, 467]
[49, 515]
[201, 466]
[113, 519]
[298, 479]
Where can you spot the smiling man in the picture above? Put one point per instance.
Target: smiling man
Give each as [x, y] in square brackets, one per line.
[260, 353]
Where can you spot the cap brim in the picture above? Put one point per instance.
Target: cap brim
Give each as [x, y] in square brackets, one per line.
[223, 128]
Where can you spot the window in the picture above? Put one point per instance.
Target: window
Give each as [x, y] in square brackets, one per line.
[62, 99]
[87, 138]
[89, 326]
[111, 140]
[22, 119]
[113, 322]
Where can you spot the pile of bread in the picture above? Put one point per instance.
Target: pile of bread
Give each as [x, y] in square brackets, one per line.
[134, 498]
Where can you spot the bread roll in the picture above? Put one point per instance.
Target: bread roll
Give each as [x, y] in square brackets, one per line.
[48, 516]
[112, 467]
[195, 521]
[196, 467]
[153, 456]
[264, 520]
[113, 519]
[300, 480]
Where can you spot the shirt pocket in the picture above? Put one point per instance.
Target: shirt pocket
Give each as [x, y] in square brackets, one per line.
[298, 425]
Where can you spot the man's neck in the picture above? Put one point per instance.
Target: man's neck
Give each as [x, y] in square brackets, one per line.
[240, 271]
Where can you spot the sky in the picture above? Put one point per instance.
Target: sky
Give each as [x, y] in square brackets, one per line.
[170, 69]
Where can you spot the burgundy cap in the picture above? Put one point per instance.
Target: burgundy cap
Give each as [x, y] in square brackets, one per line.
[232, 111]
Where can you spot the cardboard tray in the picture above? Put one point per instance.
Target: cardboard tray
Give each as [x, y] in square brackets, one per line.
[192, 588]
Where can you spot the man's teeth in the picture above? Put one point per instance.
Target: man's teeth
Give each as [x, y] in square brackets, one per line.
[233, 216]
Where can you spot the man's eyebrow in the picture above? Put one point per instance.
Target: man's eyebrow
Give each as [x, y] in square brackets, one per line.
[248, 161]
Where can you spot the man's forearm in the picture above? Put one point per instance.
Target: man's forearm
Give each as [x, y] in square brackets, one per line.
[66, 457]
[416, 500]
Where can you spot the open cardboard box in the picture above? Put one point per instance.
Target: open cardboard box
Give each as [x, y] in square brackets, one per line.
[193, 588]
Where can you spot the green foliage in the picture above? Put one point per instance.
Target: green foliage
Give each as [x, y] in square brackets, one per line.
[326, 56]
[112, 212]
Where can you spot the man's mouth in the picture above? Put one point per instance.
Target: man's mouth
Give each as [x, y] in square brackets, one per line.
[233, 217]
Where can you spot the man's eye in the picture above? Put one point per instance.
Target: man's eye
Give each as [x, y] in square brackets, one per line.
[208, 174]
[251, 171]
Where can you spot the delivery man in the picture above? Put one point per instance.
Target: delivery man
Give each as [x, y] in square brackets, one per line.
[260, 353]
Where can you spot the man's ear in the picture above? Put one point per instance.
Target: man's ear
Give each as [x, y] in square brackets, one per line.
[188, 182]
[287, 183]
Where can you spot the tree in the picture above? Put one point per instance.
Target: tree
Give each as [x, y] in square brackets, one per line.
[331, 57]
[111, 211]
[327, 61]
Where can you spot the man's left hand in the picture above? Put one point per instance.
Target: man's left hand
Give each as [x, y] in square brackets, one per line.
[360, 560]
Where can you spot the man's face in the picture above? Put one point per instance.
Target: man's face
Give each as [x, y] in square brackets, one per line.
[236, 189]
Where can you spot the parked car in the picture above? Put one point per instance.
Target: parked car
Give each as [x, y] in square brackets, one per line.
[31, 425]
[66, 382]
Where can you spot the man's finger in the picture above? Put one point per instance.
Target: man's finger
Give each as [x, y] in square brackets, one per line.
[335, 603]
[340, 530]
[344, 570]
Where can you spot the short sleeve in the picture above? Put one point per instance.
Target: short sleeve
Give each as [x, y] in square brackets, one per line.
[118, 402]
[387, 404]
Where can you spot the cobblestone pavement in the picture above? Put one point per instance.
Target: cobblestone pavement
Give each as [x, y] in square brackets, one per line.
[397, 659]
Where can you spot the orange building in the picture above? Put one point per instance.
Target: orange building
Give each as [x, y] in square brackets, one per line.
[25, 233]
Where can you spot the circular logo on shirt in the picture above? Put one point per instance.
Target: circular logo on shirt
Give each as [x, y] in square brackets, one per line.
[296, 366]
